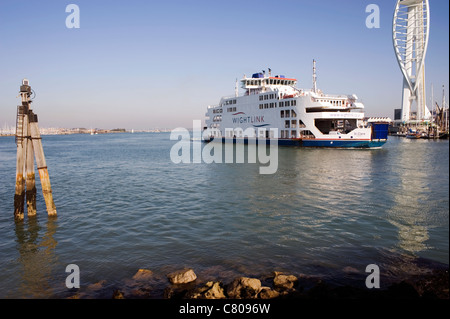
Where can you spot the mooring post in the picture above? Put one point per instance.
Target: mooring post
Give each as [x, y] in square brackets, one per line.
[41, 164]
[19, 196]
[30, 176]
[29, 146]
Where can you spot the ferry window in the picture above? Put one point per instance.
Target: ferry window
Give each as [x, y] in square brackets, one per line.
[293, 114]
[260, 106]
[286, 124]
[294, 133]
[282, 114]
[287, 103]
[261, 97]
[266, 105]
[294, 123]
[265, 97]
[281, 104]
[275, 104]
[294, 102]
[288, 113]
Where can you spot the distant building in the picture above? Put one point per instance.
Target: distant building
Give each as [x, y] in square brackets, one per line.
[397, 114]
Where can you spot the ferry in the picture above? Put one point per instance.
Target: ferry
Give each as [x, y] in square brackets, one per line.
[272, 107]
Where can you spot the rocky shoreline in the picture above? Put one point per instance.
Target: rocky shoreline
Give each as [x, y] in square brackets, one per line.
[184, 284]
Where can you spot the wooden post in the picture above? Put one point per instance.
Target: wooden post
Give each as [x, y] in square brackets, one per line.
[30, 181]
[41, 164]
[29, 146]
[19, 196]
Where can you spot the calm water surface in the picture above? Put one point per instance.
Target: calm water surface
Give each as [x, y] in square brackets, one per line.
[123, 205]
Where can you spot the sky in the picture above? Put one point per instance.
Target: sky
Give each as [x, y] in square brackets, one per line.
[139, 64]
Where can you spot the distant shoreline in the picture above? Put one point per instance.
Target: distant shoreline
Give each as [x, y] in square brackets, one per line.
[71, 132]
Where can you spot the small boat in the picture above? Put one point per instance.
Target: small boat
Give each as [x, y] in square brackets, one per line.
[414, 135]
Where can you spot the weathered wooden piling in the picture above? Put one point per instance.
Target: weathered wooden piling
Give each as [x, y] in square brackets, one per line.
[30, 177]
[19, 196]
[29, 147]
[41, 165]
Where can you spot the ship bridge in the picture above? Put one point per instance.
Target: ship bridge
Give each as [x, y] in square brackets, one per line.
[259, 82]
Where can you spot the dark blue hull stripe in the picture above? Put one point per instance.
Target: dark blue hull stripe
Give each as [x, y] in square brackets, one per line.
[318, 143]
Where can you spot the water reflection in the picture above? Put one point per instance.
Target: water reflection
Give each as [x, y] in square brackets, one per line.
[36, 257]
[410, 199]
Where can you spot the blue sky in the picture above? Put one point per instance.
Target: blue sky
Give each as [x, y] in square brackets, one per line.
[146, 64]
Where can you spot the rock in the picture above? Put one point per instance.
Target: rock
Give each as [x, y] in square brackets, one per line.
[211, 290]
[350, 270]
[182, 276]
[117, 294]
[268, 293]
[244, 288]
[284, 281]
[96, 286]
[215, 291]
[142, 274]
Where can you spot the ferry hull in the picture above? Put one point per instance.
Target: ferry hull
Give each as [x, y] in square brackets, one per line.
[344, 143]
[312, 142]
